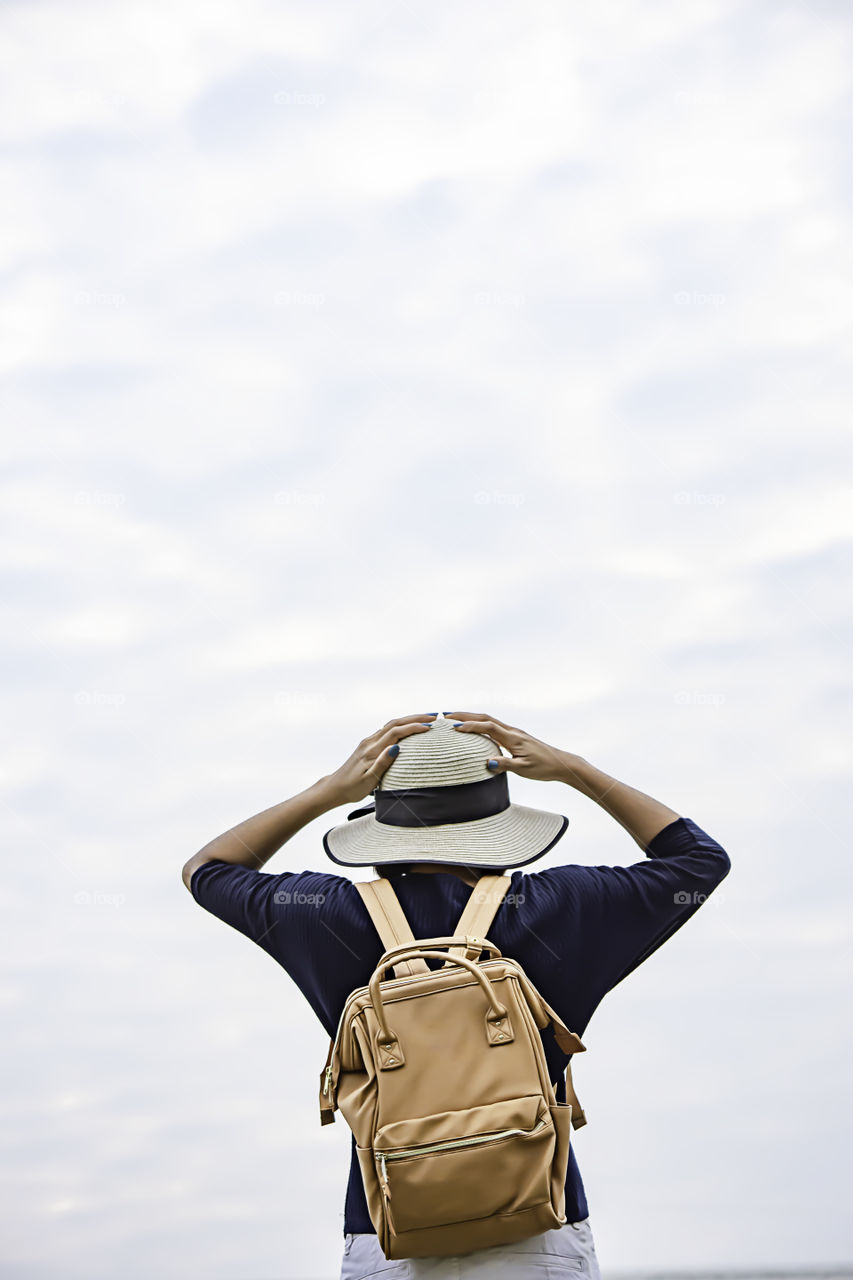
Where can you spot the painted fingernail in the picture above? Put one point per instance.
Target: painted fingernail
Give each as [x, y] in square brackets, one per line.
[491, 764]
[457, 724]
[392, 751]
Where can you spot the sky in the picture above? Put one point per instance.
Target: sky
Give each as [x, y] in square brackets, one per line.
[359, 360]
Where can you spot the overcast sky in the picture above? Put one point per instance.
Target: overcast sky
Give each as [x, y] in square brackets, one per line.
[363, 359]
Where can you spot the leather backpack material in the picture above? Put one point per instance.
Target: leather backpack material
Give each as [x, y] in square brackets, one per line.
[441, 1074]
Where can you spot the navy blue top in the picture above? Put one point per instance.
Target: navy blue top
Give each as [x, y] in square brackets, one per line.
[576, 930]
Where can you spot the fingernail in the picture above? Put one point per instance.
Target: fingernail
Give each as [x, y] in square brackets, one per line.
[491, 764]
[428, 723]
[392, 751]
[457, 723]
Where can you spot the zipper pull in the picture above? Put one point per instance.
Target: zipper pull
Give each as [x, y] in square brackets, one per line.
[383, 1173]
[327, 1083]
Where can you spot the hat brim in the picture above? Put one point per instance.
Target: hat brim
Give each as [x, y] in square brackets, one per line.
[515, 836]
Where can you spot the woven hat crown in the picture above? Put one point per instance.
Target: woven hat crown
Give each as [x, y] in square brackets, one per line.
[439, 802]
[440, 758]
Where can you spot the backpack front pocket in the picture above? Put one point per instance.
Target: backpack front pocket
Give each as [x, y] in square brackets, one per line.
[457, 1166]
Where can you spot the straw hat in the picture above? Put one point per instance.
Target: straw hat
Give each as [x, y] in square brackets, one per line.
[438, 802]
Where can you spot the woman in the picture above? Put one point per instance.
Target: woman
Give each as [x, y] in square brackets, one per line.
[441, 814]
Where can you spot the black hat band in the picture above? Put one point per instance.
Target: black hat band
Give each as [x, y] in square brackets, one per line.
[434, 806]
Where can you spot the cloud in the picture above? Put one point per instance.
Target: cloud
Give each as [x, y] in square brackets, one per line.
[357, 359]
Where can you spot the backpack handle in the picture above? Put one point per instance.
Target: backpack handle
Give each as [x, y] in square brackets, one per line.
[386, 1036]
[428, 944]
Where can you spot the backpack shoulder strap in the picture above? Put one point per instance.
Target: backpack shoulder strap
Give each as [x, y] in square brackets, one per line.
[578, 1114]
[570, 1044]
[390, 920]
[480, 909]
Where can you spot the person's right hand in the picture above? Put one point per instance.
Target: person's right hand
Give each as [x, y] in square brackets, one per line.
[527, 757]
[358, 775]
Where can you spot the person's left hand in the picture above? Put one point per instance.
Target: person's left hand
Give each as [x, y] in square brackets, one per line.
[357, 776]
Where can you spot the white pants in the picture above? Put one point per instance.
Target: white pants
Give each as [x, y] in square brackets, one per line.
[553, 1255]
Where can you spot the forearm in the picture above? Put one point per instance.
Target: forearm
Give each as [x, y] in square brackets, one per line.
[253, 842]
[640, 815]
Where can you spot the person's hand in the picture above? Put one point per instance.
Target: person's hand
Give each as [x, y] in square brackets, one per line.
[358, 775]
[527, 757]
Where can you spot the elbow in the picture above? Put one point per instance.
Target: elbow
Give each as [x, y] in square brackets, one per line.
[724, 865]
[190, 866]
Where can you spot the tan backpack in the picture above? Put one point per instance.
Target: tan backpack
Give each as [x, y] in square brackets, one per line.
[441, 1075]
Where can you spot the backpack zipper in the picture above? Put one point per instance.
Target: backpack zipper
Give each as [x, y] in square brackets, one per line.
[402, 1152]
